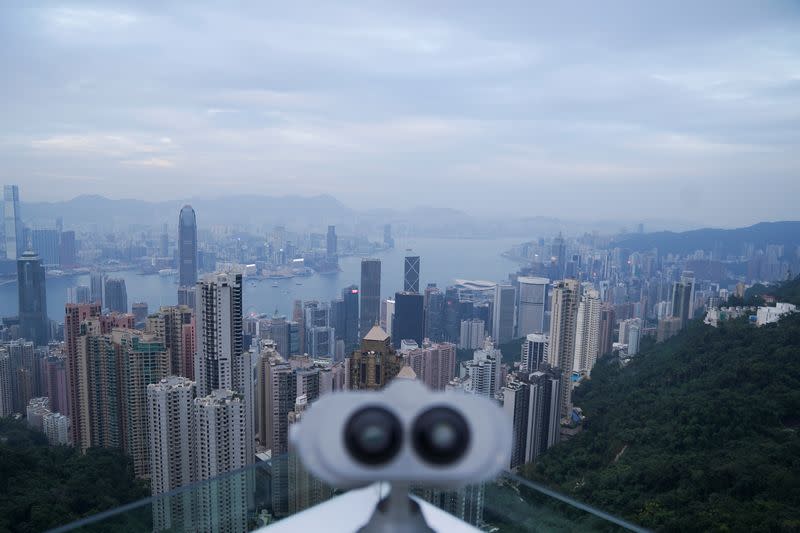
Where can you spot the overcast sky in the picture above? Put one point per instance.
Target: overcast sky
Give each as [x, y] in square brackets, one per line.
[629, 110]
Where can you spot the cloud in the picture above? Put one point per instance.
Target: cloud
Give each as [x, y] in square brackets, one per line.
[383, 103]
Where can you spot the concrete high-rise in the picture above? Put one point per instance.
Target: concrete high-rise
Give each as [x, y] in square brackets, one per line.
[218, 334]
[370, 294]
[587, 332]
[630, 334]
[544, 419]
[503, 313]
[563, 326]
[531, 305]
[473, 331]
[607, 322]
[187, 247]
[33, 321]
[12, 223]
[534, 353]
[175, 324]
[221, 444]
[143, 359]
[6, 408]
[47, 244]
[77, 384]
[683, 298]
[172, 433]
[375, 363]
[411, 274]
[116, 295]
[409, 318]
[434, 364]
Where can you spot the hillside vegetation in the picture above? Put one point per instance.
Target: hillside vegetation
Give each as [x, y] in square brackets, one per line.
[696, 434]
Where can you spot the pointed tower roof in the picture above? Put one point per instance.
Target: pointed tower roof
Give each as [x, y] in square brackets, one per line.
[406, 373]
[376, 334]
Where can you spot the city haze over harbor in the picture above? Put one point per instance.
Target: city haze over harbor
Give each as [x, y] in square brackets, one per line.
[478, 108]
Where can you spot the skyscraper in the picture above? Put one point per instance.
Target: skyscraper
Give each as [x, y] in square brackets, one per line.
[175, 324]
[544, 417]
[97, 282]
[558, 252]
[142, 359]
[46, 243]
[140, 312]
[218, 334]
[172, 434]
[484, 371]
[6, 395]
[116, 295]
[683, 297]
[388, 240]
[563, 325]
[33, 321]
[411, 274]
[531, 305]
[503, 314]
[534, 353]
[409, 318]
[375, 363]
[472, 333]
[434, 314]
[434, 364]
[221, 444]
[221, 362]
[331, 245]
[370, 294]
[607, 321]
[187, 247]
[67, 249]
[350, 319]
[12, 223]
[77, 385]
[587, 332]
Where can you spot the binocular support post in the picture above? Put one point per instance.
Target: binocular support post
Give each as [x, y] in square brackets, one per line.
[397, 513]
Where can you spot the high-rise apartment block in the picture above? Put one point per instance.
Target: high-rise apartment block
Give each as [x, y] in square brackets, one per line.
[587, 332]
[563, 327]
[534, 353]
[175, 324]
[409, 318]
[434, 364]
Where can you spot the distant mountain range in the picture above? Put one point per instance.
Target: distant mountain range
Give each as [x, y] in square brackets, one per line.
[726, 241]
[304, 213]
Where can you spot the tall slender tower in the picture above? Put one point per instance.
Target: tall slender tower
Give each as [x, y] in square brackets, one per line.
[77, 385]
[563, 326]
[175, 324]
[170, 416]
[503, 313]
[12, 222]
[218, 334]
[370, 294]
[587, 336]
[187, 247]
[411, 274]
[32, 299]
[330, 248]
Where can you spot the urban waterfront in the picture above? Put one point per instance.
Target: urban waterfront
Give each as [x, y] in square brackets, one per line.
[442, 261]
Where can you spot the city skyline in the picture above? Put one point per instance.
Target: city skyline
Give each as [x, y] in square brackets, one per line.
[528, 99]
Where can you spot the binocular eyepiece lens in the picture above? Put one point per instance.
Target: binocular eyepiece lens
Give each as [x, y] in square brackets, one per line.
[440, 436]
[373, 435]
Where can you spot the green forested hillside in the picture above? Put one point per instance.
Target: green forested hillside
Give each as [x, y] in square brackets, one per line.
[43, 486]
[697, 434]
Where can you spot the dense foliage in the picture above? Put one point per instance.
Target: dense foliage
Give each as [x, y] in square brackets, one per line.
[696, 434]
[45, 486]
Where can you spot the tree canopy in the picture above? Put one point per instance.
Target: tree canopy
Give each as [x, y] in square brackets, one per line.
[696, 434]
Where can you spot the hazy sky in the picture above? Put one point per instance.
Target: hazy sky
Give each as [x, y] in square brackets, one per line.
[682, 110]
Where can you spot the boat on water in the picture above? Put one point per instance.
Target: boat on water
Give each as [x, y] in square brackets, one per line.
[298, 283]
[274, 284]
